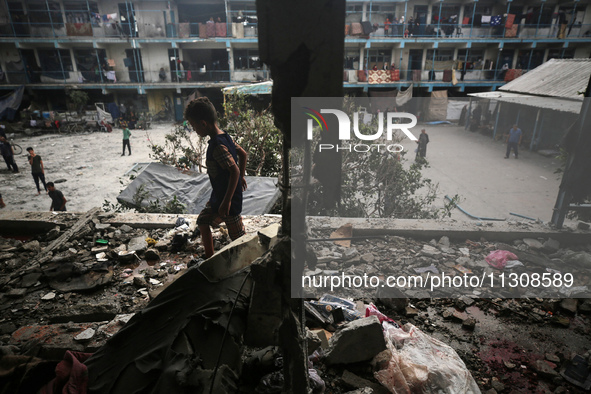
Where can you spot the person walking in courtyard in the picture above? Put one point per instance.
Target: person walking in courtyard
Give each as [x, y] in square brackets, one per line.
[422, 142]
[126, 135]
[37, 169]
[8, 154]
[513, 141]
[226, 167]
[58, 201]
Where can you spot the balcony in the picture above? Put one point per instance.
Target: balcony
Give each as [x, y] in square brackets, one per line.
[126, 30]
[467, 32]
[165, 79]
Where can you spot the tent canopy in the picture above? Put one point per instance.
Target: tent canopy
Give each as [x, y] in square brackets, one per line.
[255, 88]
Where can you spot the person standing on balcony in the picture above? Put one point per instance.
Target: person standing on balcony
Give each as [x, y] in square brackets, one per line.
[387, 26]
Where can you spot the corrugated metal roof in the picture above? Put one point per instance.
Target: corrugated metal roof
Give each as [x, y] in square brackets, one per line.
[554, 103]
[556, 77]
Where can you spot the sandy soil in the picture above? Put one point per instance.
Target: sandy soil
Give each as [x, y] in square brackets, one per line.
[90, 164]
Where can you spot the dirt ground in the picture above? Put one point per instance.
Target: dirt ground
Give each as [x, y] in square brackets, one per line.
[89, 167]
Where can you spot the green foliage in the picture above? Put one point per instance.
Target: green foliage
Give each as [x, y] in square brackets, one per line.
[182, 149]
[172, 206]
[379, 184]
[254, 130]
[77, 99]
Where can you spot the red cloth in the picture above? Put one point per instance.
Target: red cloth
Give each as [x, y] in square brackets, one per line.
[71, 375]
[361, 77]
[509, 22]
[466, 20]
[220, 29]
[395, 75]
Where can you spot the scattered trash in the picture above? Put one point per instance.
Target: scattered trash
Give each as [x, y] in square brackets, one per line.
[373, 310]
[462, 269]
[513, 264]
[430, 268]
[422, 364]
[498, 258]
[102, 241]
[151, 241]
[578, 372]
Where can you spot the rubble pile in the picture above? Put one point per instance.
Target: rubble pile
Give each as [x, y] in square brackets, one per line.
[155, 316]
[92, 279]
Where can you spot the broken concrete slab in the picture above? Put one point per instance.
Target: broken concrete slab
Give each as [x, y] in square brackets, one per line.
[268, 236]
[99, 275]
[359, 340]
[233, 257]
[53, 340]
[358, 382]
[137, 244]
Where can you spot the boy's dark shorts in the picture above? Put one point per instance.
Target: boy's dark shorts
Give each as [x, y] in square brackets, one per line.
[213, 219]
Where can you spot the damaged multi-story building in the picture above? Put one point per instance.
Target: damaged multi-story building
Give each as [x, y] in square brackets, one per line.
[152, 54]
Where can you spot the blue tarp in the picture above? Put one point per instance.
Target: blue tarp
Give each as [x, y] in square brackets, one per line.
[9, 104]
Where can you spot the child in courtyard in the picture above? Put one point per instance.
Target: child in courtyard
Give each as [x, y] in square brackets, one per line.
[226, 166]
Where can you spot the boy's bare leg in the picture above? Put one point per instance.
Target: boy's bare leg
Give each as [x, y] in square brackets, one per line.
[207, 240]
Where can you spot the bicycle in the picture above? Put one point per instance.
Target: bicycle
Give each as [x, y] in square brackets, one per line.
[75, 127]
[15, 147]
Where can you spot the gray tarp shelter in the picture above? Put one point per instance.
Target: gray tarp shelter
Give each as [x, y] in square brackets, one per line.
[193, 189]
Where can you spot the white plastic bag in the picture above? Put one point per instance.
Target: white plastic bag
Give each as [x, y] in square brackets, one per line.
[422, 364]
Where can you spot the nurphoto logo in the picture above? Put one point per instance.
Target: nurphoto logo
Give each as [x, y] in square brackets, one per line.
[394, 121]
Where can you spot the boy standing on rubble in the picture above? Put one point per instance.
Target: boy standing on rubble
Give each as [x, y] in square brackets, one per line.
[226, 166]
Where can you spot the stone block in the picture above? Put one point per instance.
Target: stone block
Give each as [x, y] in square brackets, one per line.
[268, 235]
[359, 340]
[137, 244]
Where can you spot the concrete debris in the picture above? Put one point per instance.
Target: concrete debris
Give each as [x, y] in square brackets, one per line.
[359, 340]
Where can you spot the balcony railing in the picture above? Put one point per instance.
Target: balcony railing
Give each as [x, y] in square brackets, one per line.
[149, 76]
[455, 31]
[430, 75]
[125, 30]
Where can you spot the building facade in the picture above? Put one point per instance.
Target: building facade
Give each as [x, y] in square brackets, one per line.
[155, 54]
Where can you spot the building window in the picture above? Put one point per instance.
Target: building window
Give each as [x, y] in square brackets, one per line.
[379, 58]
[440, 54]
[84, 12]
[351, 60]
[562, 53]
[55, 63]
[247, 59]
[470, 55]
[42, 14]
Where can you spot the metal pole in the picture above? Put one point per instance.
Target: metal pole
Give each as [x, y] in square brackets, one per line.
[10, 18]
[497, 121]
[439, 20]
[533, 138]
[472, 21]
[98, 59]
[539, 19]
[50, 18]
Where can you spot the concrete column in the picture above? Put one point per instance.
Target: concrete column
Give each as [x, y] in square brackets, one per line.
[361, 58]
[429, 13]
[230, 51]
